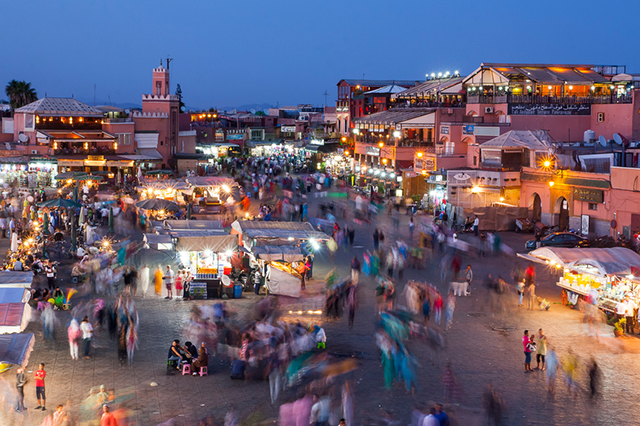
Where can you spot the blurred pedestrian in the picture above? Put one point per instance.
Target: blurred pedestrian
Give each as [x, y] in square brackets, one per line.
[541, 351]
[87, 335]
[532, 298]
[21, 380]
[107, 418]
[594, 378]
[168, 281]
[493, 406]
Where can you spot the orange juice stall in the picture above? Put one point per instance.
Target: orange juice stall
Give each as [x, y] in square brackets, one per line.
[208, 259]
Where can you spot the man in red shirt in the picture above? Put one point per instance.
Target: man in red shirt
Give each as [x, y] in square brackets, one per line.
[39, 376]
[107, 419]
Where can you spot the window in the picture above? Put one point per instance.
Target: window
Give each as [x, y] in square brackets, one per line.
[449, 148]
[601, 117]
[124, 139]
[475, 160]
[593, 206]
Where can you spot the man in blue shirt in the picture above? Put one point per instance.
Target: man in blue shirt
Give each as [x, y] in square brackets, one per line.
[442, 417]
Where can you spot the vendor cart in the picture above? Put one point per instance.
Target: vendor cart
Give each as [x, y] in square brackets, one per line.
[523, 224]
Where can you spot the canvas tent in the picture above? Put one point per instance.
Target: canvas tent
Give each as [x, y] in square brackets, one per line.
[196, 241]
[14, 295]
[275, 233]
[595, 261]
[15, 349]
[16, 279]
[14, 317]
[286, 253]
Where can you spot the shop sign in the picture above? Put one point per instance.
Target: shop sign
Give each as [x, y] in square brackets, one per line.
[219, 136]
[549, 109]
[461, 176]
[372, 150]
[410, 174]
[468, 129]
[95, 158]
[288, 129]
[424, 163]
[589, 195]
[42, 160]
[235, 137]
[444, 130]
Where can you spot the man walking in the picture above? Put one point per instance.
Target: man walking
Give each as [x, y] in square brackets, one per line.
[40, 374]
[107, 419]
[476, 224]
[355, 270]
[168, 282]
[87, 335]
[21, 380]
[468, 276]
[51, 275]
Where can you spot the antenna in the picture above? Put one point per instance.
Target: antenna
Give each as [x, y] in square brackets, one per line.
[110, 100]
[325, 97]
[94, 94]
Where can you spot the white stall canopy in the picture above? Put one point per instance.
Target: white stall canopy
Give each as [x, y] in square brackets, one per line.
[594, 261]
[16, 279]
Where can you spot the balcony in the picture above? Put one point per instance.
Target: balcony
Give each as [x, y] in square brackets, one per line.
[118, 120]
[82, 151]
[549, 100]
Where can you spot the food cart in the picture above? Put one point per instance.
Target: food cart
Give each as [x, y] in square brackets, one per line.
[605, 275]
[207, 257]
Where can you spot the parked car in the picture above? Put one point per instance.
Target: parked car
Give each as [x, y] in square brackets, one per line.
[558, 239]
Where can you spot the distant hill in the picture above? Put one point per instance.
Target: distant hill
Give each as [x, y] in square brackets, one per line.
[247, 107]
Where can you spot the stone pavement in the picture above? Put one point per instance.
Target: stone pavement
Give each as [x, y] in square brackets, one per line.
[483, 347]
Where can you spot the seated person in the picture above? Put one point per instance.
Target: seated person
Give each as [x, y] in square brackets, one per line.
[191, 352]
[80, 252]
[57, 293]
[202, 361]
[175, 353]
[17, 266]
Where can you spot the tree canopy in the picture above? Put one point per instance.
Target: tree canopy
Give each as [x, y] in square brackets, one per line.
[20, 93]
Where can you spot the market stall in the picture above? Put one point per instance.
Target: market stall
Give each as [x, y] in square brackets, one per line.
[15, 349]
[285, 278]
[213, 191]
[14, 317]
[16, 279]
[605, 275]
[158, 208]
[14, 295]
[208, 258]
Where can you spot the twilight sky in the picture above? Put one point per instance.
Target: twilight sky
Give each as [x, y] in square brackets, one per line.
[229, 53]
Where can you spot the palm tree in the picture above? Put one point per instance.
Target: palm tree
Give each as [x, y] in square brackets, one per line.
[20, 93]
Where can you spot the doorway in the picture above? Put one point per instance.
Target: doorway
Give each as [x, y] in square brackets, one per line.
[536, 207]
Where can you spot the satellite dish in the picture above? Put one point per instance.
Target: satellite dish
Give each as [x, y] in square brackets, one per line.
[23, 138]
[602, 140]
[617, 138]
[253, 111]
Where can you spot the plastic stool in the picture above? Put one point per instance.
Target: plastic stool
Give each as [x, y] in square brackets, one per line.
[186, 369]
[204, 371]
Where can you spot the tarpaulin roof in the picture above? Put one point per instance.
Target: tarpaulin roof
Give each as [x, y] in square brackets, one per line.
[286, 253]
[157, 239]
[606, 261]
[392, 116]
[516, 139]
[273, 229]
[16, 348]
[11, 314]
[16, 279]
[215, 243]
[14, 295]
[202, 181]
[385, 90]
[192, 224]
[428, 87]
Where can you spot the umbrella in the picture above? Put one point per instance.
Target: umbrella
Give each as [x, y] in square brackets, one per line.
[68, 175]
[111, 220]
[158, 204]
[87, 177]
[189, 211]
[159, 172]
[45, 224]
[81, 218]
[60, 202]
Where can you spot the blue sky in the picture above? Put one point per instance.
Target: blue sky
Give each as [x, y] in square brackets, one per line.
[229, 53]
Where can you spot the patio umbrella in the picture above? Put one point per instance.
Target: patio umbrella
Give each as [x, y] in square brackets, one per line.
[189, 211]
[158, 204]
[111, 220]
[75, 193]
[45, 224]
[60, 202]
[68, 175]
[81, 218]
[87, 177]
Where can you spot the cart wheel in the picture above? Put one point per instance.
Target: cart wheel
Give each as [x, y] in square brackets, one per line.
[563, 296]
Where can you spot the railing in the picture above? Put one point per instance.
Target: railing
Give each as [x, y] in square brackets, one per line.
[550, 100]
[487, 99]
[82, 151]
[118, 120]
[414, 143]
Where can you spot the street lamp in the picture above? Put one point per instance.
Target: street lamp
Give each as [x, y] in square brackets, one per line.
[346, 153]
[384, 161]
[551, 183]
[381, 144]
[419, 154]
